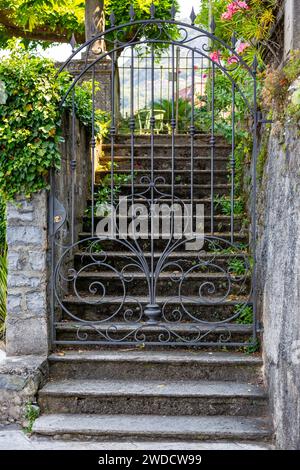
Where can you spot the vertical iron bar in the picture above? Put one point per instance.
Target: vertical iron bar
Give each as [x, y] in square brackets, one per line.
[112, 131]
[138, 85]
[173, 125]
[51, 228]
[232, 163]
[93, 143]
[152, 125]
[186, 89]
[123, 84]
[146, 80]
[254, 210]
[152, 310]
[161, 83]
[73, 170]
[132, 123]
[212, 144]
[177, 86]
[168, 81]
[192, 134]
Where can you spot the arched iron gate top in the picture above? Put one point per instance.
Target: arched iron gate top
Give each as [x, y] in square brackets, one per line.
[204, 51]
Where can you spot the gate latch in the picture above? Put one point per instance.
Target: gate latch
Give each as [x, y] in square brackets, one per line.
[57, 216]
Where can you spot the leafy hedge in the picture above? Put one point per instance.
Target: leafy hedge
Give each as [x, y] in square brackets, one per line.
[30, 117]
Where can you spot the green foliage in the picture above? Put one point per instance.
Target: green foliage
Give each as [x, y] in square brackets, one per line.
[47, 21]
[103, 194]
[254, 346]
[32, 412]
[142, 11]
[30, 131]
[184, 112]
[237, 266]
[224, 203]
[245, 314]
[3, 290]
[41, 20]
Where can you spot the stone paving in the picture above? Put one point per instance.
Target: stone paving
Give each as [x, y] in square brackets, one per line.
[12, 437]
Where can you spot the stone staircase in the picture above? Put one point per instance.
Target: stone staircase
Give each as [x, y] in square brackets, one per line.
[153, 395]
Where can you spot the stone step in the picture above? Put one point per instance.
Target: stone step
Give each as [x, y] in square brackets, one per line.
[219, 242]
[206, 202]
[42, 443]
[149, 428]
[164, 150]
[92, 308]
[167, 284]
[181, 191]
[159, 397]
[187, 259]
[165, 175]
[183, 139]
[153, 365]
[182, 161]
[222, 222]
[121, 332]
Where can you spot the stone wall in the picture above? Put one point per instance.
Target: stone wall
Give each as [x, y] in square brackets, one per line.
[27, 310]
[20, 379]
[279, 281]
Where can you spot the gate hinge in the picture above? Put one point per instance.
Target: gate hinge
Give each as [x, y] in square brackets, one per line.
[57, 216]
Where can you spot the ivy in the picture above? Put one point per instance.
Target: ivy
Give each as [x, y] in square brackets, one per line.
[30, 130]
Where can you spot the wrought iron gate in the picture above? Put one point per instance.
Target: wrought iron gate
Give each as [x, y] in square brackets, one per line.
[117, 276]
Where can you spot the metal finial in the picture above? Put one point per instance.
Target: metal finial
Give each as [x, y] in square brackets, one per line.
[213, 25]
[193, 16]
[152, 11]
[73, 42]
[112, 19]
[233, 40]
[255, 64]
[131, 12]
[173, 11]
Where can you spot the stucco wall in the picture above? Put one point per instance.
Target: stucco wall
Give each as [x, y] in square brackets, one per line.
[279, 281]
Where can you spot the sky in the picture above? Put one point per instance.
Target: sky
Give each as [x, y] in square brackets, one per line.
[62, 52]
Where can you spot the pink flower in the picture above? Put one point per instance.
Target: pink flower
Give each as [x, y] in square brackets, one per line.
[233, 59]
[215, 56]
[243, 5]
[234, 7]
[204, 75]
[227, 15]
[241, 47]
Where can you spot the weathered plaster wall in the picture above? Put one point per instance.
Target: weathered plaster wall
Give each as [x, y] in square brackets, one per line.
[279, 281]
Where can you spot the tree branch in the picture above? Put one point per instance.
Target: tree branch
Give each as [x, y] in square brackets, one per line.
[42, 33]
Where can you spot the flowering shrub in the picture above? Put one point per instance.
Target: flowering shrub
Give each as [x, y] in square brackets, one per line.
[250, 21]
[233, 8]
